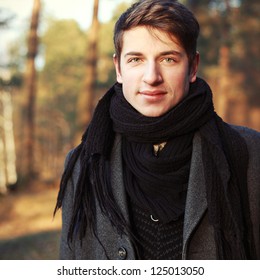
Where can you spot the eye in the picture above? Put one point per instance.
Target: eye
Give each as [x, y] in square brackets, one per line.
[134, 60]
[168, 60]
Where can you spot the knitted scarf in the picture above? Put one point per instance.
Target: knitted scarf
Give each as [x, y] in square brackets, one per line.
[227, 196]
[159, 183]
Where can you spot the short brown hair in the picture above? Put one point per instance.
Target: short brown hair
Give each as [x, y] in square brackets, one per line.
[169, 16]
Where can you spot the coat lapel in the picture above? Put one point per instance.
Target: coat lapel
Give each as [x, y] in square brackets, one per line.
[196, 203]
[117, 180]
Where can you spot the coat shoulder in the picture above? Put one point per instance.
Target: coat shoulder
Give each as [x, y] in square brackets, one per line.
[252, 139]
[251, 136]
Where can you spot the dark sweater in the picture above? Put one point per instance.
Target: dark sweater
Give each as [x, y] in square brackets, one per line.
[156, 240]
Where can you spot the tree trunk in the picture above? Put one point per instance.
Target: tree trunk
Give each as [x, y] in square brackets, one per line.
[223, 98]
[86, 97]
[8, 137]
[3, 183]
[30, 86]
[224, 65]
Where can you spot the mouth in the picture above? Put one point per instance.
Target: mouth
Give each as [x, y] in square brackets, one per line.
[153, 94]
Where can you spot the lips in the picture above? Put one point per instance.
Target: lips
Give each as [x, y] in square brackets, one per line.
[153, 95]
[152, 92]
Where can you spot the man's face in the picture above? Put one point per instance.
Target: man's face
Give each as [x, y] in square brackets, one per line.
[154, 71]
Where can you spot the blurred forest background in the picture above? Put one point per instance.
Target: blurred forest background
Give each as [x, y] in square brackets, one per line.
[44, 110]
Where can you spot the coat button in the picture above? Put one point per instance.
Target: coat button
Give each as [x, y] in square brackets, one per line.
[122, 253]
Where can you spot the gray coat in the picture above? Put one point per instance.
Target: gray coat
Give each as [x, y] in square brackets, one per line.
[198, 239]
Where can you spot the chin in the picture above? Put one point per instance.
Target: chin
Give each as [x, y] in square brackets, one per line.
[152, 113]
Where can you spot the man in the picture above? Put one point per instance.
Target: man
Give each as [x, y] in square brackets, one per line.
[158, 175]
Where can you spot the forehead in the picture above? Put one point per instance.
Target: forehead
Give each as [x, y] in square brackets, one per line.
[143, 39]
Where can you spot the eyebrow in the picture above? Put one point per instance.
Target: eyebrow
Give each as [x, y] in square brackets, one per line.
[133, 54]
[172, 52]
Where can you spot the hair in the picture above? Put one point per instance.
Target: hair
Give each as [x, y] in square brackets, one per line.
[169, 16]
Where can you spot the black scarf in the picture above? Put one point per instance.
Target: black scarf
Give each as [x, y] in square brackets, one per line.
[158, 184]
[227, 197]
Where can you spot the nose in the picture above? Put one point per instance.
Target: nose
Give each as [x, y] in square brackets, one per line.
[152, 74]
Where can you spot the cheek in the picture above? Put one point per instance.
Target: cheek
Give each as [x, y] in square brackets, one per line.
[130, 80]
[127, 92]
[178, 84]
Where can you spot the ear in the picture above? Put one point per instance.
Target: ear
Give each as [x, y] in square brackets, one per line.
[194, 68]
[117, 67]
